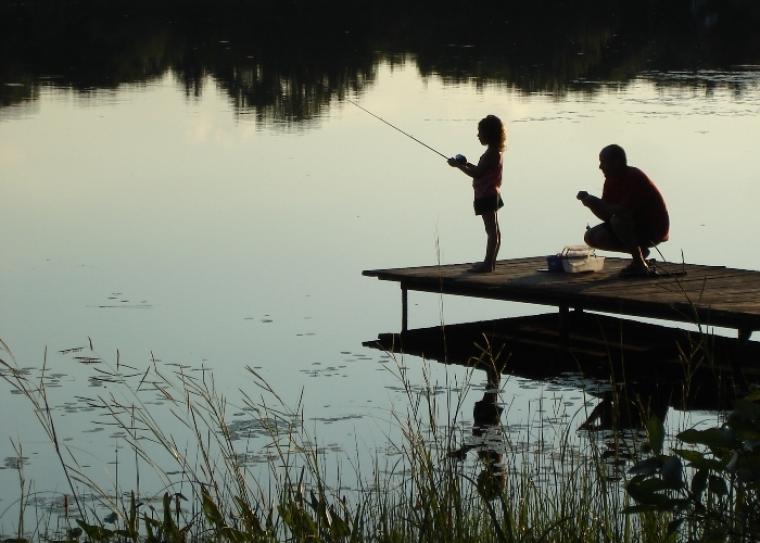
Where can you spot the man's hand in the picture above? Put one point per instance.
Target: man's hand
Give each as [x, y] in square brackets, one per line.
[598, 207]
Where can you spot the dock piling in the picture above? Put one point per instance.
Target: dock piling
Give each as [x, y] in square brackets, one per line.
[564, 314]
[404, 308]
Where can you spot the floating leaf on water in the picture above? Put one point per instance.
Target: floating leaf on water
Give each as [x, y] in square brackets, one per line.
[15, 462]
[88, 359]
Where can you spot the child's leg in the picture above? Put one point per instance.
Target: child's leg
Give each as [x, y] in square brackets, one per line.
[498, 238]
[493, 239]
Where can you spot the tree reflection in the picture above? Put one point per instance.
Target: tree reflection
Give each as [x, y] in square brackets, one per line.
[285, 62]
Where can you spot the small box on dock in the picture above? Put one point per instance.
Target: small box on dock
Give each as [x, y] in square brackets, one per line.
[575, 259]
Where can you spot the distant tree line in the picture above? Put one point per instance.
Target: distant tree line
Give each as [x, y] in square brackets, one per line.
[286, 59]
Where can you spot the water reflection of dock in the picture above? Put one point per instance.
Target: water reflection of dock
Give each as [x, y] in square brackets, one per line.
[707, 295]
[701, 368]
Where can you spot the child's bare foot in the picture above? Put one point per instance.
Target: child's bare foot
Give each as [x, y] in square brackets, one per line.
[482, 267]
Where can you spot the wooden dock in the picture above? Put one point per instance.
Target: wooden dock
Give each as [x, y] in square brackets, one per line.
[706, 295]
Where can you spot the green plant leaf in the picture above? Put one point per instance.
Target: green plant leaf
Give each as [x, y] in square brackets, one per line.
[150, 524]
[746, 430]
[748, 467]
[639, 508]
[212, 511]
[95, 533]
[715, 438]
[169, 526]
[645, 491]
[715, 535]
[300, 523]
[698, 460]
[746, 410]
[674, 525]
[340, 527]
[133, 518]
[233, 535]
[650, 466]
[250, 520]
[672, 472]
[718, 485]
[699, 483]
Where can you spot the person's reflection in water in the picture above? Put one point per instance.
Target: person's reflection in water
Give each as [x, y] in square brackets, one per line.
[628, 408]
[622, 416]
[488, 439]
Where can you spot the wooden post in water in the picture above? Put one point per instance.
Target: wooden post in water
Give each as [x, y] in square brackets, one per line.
[564, 316]
[404, 308]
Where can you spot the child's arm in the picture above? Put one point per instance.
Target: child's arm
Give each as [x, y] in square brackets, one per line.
[487, 161]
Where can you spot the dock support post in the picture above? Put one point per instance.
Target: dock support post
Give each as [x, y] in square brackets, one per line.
[404, 308]
[744, 334]
[564, 314]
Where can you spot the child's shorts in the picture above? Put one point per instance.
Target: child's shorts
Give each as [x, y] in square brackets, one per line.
[488, 204]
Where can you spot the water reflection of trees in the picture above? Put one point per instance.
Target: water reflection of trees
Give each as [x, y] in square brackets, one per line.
[285, 62]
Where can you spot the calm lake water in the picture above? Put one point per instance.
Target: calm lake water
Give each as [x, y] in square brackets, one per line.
[191, 229]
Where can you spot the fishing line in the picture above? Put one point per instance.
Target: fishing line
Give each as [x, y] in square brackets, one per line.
[396, 128]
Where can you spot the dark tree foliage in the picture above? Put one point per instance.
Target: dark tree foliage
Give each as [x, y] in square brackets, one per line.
[286, 59]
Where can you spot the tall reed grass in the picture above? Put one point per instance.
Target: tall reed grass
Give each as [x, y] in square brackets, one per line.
[423, 493]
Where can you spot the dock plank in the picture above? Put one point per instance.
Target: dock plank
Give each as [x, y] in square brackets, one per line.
[708, 294]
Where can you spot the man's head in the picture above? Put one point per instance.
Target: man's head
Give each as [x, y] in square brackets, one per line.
[612, 160]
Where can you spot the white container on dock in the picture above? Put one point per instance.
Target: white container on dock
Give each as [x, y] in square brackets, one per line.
[576, 259]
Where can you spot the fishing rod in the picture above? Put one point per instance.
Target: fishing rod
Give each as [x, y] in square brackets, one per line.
[397, 128]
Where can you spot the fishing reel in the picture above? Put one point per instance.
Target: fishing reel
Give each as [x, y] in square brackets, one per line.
[460, 159]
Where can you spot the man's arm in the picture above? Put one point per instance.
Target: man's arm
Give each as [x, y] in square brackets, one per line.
[598, 207]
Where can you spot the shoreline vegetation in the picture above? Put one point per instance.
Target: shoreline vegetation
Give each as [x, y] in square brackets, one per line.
[706, 488]
[285, 62]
